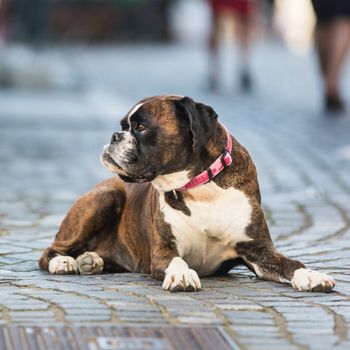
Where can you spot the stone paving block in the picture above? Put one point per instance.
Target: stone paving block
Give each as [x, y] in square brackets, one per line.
[31, 314]
[129, 315]
[21, 303]
[199, 320]
[25, 305]
[246, 315]
[87, 311]
[120, 306]
[255, 321]
[314, 330]
[25, 255]
[87, 318]
[22, 266]
[259, 331]
[239, 307]
[278, 346]
[316, 342]
[4, 250]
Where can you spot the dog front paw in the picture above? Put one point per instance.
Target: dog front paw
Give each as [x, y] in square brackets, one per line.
[179, 278]
[63, 265]
[90, 263]
[312, 281]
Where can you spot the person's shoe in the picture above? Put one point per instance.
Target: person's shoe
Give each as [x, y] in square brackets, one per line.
[334, 104]
[213, 84]
[246, 82]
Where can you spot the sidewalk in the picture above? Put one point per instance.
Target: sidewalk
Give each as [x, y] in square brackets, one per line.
[49, 154]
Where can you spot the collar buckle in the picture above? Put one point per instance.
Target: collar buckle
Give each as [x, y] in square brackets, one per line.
[210, 174]
[226, 159]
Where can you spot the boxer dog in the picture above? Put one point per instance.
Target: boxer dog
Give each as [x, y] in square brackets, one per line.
[185, 204]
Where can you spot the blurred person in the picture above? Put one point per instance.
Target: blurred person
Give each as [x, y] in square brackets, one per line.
[243, 13]
[34, 21]
[2, 20]
[332, 40]
[3, 65]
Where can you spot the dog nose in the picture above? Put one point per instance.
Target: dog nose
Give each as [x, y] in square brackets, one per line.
[117, 136]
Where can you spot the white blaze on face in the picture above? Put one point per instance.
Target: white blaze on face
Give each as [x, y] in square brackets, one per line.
[177, 96]
[120, 150]
[133, 110]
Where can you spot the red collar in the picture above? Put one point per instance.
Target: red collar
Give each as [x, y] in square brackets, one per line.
[219, 165]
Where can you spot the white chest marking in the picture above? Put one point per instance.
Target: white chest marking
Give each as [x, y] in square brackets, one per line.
[169, 182]
[217, 223]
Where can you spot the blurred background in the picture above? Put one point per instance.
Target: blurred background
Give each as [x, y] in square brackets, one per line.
[33, 34]
[71, 69]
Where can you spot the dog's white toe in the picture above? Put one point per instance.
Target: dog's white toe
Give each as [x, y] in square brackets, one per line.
[90, 263]
[312, 281]
[179, 278]
[63, 265]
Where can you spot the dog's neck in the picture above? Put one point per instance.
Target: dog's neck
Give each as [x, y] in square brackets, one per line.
[223, 161]
[169, 182]
[177, 181]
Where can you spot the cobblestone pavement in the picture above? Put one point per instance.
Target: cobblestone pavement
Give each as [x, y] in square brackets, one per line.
[50, 144]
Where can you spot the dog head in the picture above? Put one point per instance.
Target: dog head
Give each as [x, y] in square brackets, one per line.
[160, 135]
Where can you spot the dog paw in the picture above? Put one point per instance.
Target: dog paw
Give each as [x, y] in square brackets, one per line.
[90, 263]
[312, 281]
[179, 278]
[63, 265]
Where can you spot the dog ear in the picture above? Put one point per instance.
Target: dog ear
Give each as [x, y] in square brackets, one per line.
[202, 121]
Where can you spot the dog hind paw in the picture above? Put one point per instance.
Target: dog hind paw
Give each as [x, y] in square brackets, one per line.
[63, 265]
[90, 263]
[312, 281]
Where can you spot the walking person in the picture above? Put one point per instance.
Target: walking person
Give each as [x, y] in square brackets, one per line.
[2, 20]
[3, 68]
[243, 14]
[332, 40]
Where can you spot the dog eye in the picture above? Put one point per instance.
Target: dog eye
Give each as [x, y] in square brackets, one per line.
[140, 128]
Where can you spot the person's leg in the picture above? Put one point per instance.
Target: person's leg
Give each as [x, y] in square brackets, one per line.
[243, 27]
[213, 47]
[243, 37]
[340, 44]
[323, 43]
